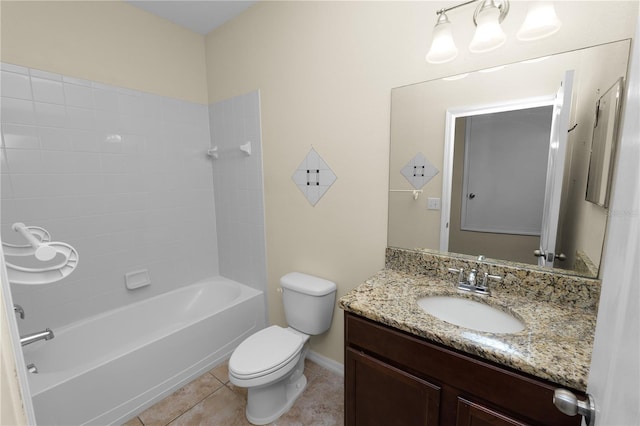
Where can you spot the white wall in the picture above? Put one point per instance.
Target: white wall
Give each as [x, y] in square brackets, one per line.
[119, 174]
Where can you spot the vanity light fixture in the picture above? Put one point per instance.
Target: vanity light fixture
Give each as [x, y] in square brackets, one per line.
[541, 21]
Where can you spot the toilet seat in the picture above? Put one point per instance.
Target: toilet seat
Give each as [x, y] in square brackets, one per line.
[265, 352]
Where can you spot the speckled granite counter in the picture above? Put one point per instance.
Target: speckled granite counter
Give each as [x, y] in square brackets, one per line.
[556, 344]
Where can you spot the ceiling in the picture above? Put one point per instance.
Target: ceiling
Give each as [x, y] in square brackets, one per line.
[199, 16]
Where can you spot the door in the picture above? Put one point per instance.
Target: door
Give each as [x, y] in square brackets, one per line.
[505, 156]
[614, 378]
[555, 170]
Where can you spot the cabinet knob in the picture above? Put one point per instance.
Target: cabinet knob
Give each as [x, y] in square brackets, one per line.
[569, 404]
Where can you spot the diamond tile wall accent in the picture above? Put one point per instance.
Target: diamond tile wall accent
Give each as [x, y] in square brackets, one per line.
[313, 177]
[418, 171]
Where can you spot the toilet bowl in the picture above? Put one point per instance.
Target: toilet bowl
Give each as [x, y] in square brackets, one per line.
[270, 363]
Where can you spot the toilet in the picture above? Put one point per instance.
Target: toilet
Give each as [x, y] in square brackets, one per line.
[270, 363]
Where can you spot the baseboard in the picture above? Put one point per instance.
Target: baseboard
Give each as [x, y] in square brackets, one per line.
[327, 363]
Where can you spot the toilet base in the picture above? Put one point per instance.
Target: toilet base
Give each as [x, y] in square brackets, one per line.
[265, 404]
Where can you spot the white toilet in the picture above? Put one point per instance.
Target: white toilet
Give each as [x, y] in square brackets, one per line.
[270, 363]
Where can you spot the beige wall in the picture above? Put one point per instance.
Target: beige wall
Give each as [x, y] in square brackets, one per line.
[106, 41]
[325, 71]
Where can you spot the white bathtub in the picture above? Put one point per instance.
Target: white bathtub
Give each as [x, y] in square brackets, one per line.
[107, 368]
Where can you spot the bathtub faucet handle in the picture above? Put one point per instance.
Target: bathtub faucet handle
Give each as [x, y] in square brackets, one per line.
[19, 310]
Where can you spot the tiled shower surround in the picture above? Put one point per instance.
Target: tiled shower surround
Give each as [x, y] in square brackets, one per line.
[239, 195]
[123, 176]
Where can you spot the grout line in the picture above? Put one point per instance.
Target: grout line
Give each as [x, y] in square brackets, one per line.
[198, 401]
[193, 406]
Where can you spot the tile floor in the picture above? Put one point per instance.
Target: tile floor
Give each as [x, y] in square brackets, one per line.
[212, 400]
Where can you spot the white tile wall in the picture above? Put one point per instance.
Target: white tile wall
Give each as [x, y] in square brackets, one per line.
[121, 175]
[239, 194]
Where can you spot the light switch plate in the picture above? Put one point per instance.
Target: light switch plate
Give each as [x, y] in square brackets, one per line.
[433, 203]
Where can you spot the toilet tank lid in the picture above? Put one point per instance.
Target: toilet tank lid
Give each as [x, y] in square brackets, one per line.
[307, 284]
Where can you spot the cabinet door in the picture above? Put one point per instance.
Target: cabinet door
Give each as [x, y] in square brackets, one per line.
[472, 414]
[379, 394]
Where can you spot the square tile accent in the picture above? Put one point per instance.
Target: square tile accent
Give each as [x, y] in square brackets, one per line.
[418, 171]
[313, 177]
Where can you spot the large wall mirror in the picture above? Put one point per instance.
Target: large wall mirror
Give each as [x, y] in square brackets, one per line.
[495, 162]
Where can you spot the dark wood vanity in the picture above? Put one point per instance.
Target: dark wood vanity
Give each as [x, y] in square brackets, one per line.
[395, 378]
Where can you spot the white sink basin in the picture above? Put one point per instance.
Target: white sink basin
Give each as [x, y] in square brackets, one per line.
[470, 314]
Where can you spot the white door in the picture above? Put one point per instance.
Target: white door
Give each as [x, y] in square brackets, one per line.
[614, 378]
[503, 187]
[555, 170]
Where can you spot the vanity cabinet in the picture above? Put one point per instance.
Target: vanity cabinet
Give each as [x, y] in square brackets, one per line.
[395, 378]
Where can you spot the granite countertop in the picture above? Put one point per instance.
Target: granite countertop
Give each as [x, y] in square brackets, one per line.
[556, 344]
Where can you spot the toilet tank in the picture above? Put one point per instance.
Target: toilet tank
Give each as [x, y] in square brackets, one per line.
[308, 302]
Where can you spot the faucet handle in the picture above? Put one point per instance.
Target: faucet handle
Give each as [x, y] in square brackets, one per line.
[460, 273]
[19, 310]
[486, 277]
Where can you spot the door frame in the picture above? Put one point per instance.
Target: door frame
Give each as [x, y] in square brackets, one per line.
[449, 134]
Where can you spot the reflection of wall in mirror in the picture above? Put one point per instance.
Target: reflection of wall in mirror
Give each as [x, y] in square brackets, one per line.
[583, 224]
[411, 224]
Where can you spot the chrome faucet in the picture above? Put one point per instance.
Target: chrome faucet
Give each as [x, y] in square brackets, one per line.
[471, 283]
[47, 334]
[471, 279]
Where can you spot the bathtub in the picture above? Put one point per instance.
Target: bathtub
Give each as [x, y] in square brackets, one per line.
[107, 368]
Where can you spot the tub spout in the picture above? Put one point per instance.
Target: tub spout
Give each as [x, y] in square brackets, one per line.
[47, 334]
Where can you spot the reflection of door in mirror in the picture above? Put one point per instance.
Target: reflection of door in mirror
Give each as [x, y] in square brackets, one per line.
[550, 242]
[498, 189]
[509, 148]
